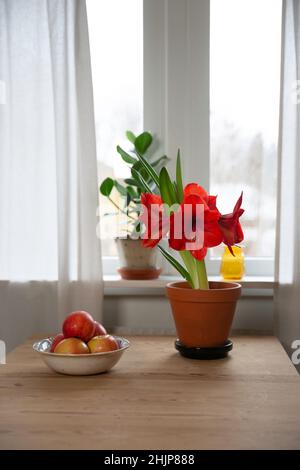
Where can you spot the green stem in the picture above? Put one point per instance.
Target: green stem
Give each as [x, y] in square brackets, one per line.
[190, 264]
[202, 275]
[119, 208]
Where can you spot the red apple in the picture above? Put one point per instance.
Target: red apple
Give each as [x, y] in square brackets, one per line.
[71, 346]
[99, 329]
[57, 339]
[103, 343]
[79, 325]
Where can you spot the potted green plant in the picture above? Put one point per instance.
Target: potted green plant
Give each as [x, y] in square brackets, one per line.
[136, 261]
[188, 216]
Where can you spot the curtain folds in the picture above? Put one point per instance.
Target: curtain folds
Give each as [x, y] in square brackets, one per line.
[287, 295]
[50, 260]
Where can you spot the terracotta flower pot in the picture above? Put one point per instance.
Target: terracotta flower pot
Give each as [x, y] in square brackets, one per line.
[203, 318]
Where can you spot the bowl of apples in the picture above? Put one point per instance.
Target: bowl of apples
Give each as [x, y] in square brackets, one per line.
[83, 347]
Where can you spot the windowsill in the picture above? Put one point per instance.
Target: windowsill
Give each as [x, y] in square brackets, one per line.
[114, 285]
[253, 286]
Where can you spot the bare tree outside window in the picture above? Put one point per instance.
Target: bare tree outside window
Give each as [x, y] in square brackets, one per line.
[245, 49]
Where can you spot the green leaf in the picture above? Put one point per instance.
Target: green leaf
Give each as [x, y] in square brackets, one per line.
[166, 187]
[143, 142]
[128, 201]
[179, 185]
[125, 156]
[131, 181]
[106, 187]
[134, 182]
[143, 183]
[149, 170]
[138, 166]
[182, 271]
[132, 192]
[130, 136]
[122, 190]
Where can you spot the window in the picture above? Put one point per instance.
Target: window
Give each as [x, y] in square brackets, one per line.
[116, 44]
[228, 50]
[245, 47]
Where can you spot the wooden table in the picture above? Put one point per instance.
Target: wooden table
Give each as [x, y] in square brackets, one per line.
[155, 399]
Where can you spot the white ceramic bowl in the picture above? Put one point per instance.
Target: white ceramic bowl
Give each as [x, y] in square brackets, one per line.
[80, 364]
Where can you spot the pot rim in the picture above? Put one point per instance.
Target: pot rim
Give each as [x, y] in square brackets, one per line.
[175, 285]
[128, 237]
[220, 291]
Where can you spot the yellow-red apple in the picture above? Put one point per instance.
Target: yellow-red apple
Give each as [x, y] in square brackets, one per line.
[99, 329]
[79, 325]
[103, 343]
[57, 339]
[71, 346]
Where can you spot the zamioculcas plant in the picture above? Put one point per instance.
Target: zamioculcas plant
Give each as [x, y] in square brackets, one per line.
[136, 262]
[130, 189]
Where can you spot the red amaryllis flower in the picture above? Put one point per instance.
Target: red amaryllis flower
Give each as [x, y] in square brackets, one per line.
[154, 220]
[185, 221]
[230, 226]
[195, 195]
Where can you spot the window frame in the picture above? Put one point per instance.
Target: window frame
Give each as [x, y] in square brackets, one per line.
[176, 36]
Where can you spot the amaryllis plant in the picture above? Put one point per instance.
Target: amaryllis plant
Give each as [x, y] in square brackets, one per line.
[188, 217]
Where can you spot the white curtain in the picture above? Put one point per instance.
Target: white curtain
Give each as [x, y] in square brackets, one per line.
[50, 260]
[288, 230]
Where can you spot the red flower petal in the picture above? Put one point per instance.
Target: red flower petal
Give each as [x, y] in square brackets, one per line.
[148, 199]
[213, 235]
[194, 188]
[177, 244]
[199, 254]
[153, 219]
[230, 225]
[212, 202]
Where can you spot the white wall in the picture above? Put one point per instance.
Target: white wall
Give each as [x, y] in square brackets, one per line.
[152, 314]
[127, 314]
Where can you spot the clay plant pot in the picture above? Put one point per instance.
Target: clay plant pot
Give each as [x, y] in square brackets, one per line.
[203, 318]
[136, 261]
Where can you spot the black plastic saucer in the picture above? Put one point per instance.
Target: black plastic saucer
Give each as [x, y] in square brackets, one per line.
[218, 352]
